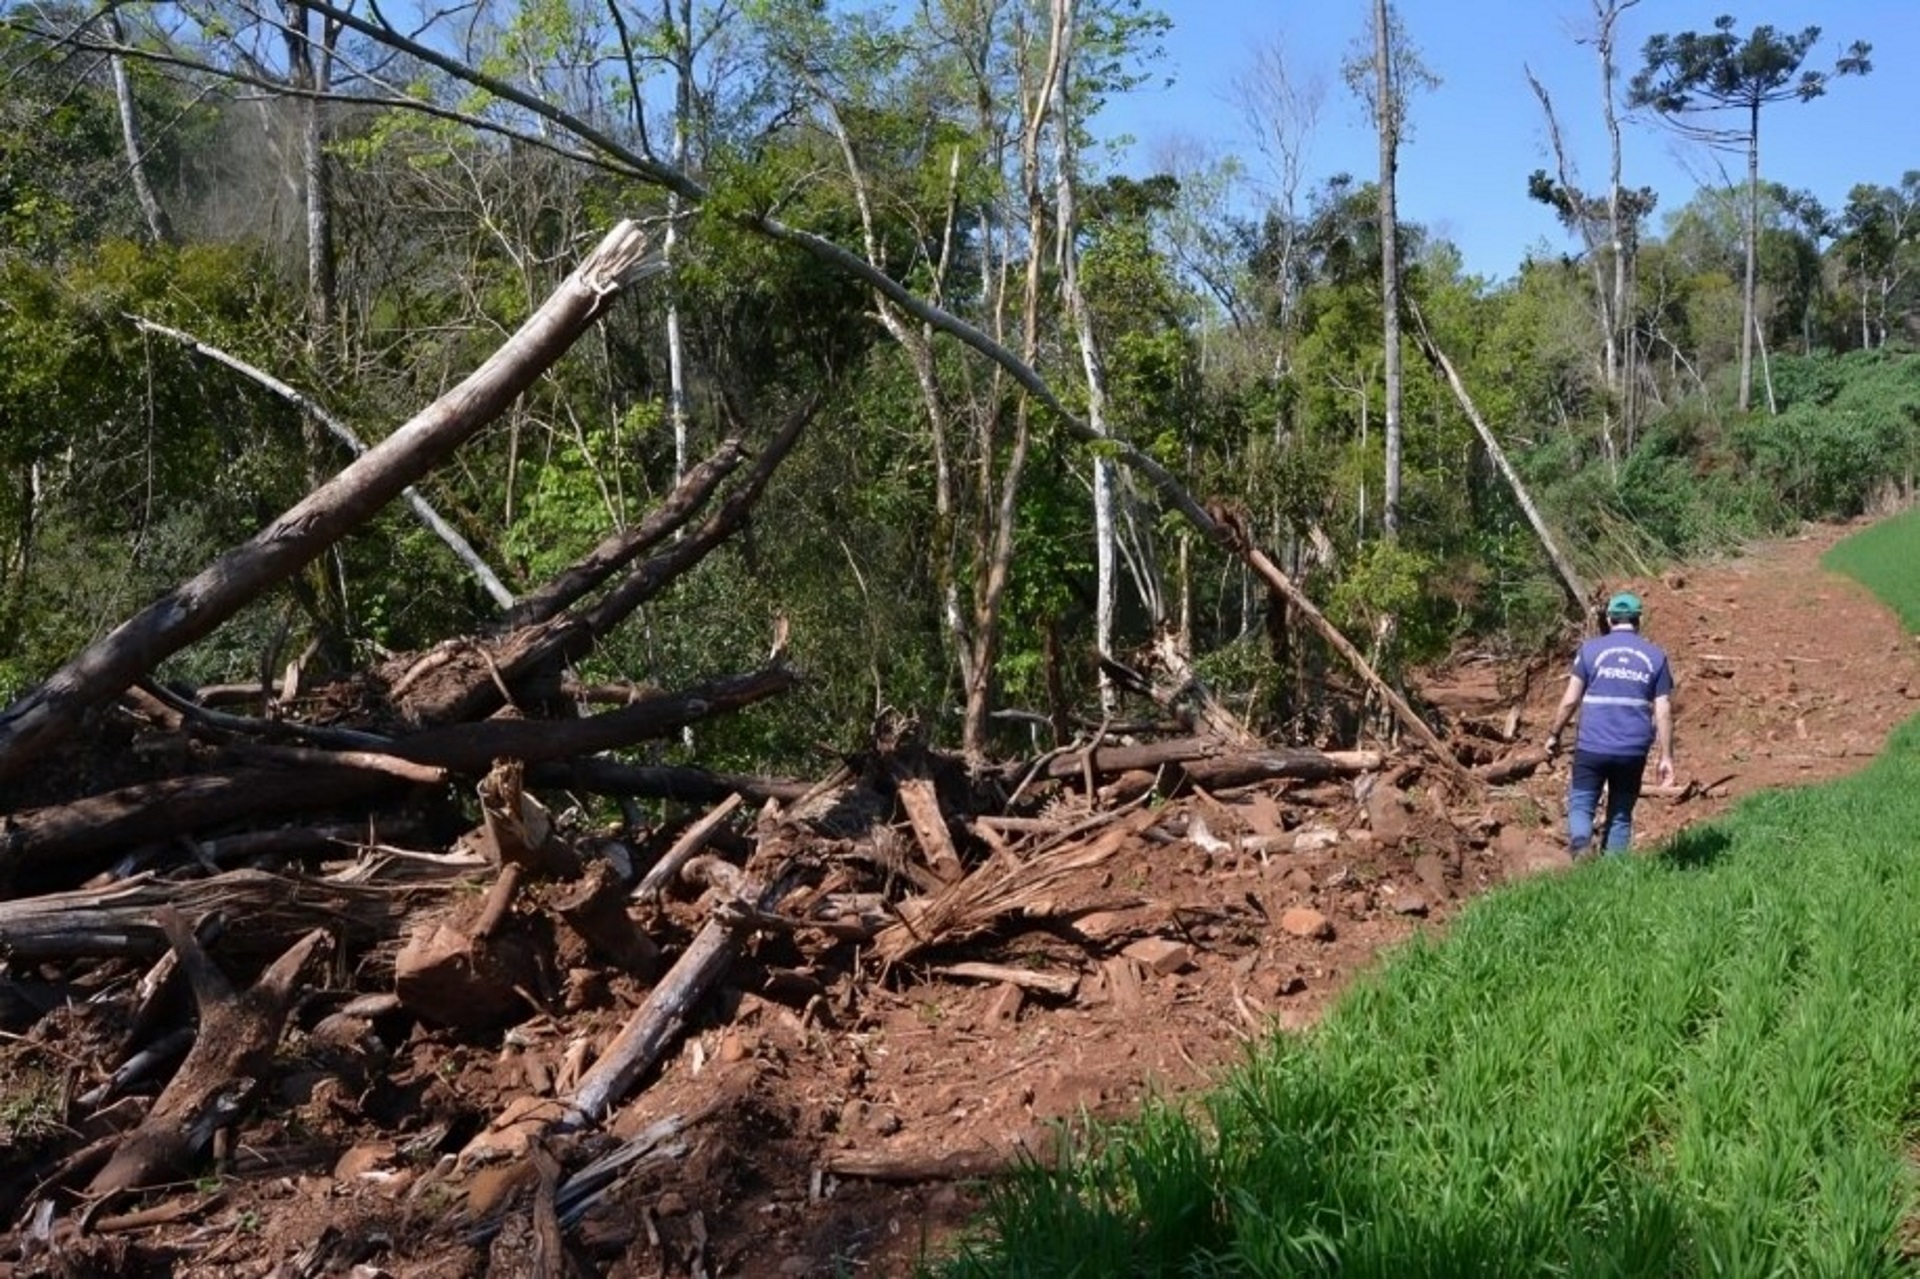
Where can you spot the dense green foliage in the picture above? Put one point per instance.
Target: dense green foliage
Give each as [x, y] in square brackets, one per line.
[1700, 1062]
[1242, 353]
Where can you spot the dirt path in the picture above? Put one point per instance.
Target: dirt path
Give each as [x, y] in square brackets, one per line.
[822, 1100]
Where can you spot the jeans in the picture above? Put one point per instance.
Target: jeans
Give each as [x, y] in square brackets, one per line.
[1620, 775]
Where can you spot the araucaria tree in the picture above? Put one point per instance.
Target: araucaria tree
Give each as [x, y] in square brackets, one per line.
[1719, 71]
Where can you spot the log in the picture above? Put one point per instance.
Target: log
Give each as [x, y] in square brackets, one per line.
[259, 910]
[659, 1021]
[217, 1081]
[664, 781]
[103, 670]
[71, 839]
[1518, 765]
[472, 748]
[691, 841]
[1196, 753]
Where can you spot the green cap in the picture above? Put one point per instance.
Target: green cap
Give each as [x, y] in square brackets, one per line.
[1625, 604]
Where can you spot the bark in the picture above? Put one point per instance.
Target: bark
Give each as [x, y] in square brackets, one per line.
[1569, 579]
[106, 668]
[1388, 109]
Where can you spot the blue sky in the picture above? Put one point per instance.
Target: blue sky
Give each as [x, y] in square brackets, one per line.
[1479, 134]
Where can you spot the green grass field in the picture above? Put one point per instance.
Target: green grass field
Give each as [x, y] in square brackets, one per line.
[1705, 1061]
[1886, 556]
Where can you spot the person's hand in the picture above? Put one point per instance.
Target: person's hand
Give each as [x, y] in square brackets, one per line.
[1552, 744]
[1666, 770]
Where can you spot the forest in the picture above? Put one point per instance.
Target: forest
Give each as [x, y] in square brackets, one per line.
[676, 401]
[236, 238]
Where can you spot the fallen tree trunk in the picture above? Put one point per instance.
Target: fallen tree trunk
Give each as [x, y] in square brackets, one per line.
[106, 668]
[472, 748]
[71, 839]
[259, 910]
[658, 1022]
[543, 647]
[1196, 753]
[1569, 579]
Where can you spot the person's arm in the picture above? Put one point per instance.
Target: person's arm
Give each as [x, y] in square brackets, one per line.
[1663, 738]
[1569, 703]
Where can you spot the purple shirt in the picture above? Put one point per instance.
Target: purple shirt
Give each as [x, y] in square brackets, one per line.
[1623, 674]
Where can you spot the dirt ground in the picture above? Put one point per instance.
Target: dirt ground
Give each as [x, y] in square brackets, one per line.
[829, 1126]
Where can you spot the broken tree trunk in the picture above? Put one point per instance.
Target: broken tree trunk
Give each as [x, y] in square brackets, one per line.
[1569, 579]
[106, 668]
[215, 1084]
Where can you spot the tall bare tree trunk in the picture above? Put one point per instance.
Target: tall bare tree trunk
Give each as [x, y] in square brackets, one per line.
[1747, 317]
[1065, 228]
[159, 225]
[1388, 120]
[680, 22]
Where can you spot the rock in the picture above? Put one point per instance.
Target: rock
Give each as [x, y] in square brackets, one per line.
[1432, 871]
[1387, 815]
[1313, 839]
[1305, 922]
[364, 1158]
[1410, 904]
[1160, 956]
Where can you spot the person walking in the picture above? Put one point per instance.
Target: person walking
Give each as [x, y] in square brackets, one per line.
[1622, 688]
